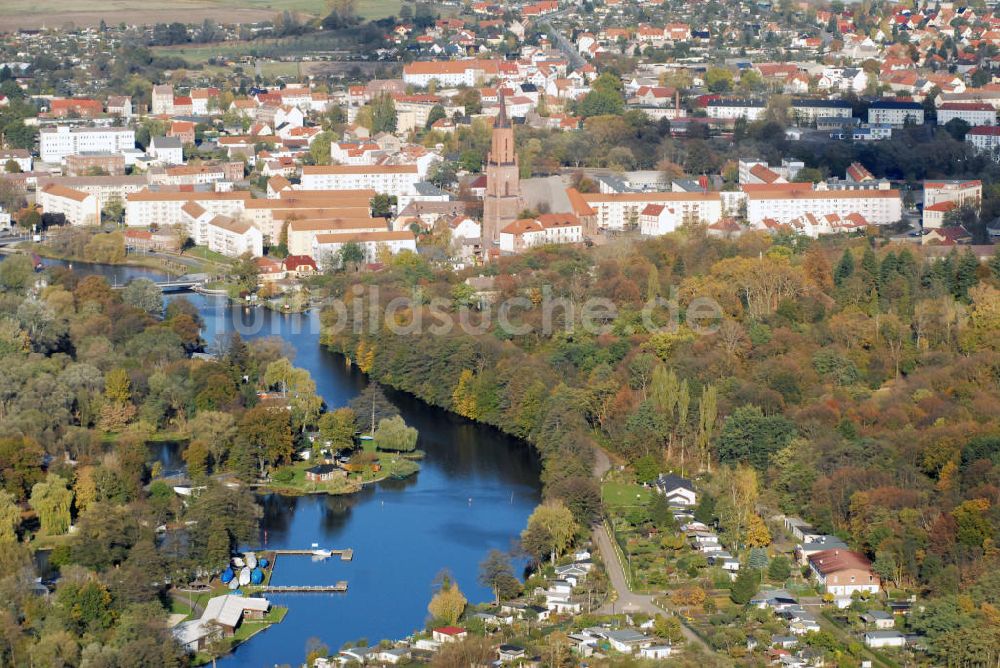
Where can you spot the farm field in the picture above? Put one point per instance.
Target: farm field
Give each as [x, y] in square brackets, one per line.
[56, 13]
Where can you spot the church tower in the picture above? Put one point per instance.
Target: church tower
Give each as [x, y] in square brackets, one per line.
[502, 201]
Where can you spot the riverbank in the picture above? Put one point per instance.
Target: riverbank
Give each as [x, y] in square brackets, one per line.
[155, 262]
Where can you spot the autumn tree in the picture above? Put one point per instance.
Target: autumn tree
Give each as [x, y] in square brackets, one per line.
[448, 603]
[554, 519]
[10, 517]
[51, 500]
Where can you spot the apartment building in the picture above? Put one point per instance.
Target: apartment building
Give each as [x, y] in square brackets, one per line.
[57, 143]
[895, 113]
[953, 190]
[451, 72]
[973, 113]
[163, 100]
[786, 202]
[984, 138]
[232, 237]
[619, 211]
[302, 234]
[943, 197]
[394, 180]
[730, 108]
[326, 246]
[270, 215]
[808, 111]
[78, 207]
[188, 175]
[145, 208]
[549, 228]
[106, 189]
[86, 164]
[20, 156]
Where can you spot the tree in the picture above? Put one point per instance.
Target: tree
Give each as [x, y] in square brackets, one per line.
[557, 521]
[751, 437]
[246, 272]
[779, 569]
[51, 500]
[351, 254]
[448, 603]
[745, 586]
[383, 114]
[718, 79]
[145, 295]
[436, 113]
[497, 573]
[10, 517]
[371, 406]
[393, 434]
[708, 409]
[382, 205]
[337, 429]
[758, 534]
[265, 438]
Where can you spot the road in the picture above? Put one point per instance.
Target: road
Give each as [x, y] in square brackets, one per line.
[563, 44]
[625, 599]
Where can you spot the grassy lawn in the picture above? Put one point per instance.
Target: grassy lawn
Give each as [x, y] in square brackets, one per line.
[202, 253]
[622, 495]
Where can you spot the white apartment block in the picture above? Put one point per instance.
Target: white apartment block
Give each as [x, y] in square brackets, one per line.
[550, 228]
[146, 208]
[326, 246]
[941, 197]
[56, 143]
[973, 113]
[450, 72]
[163, 100]
[618, 211]
[786, 202]
[896, 114]
[984, 138]
[233, 238]
[384, 179]
[957, 191]
[724, 108]
[78, 207]
[106, 189]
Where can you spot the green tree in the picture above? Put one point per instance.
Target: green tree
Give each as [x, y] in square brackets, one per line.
[497, 573]
[383, 114]
[145, 295]
[779, 569]
[745, 586]
[337, 428]
[265, 438]
[246, 272]
[51, 500]
[10, 517]
[558, 522]
[393, 434]
[434, 115]
[750, 436]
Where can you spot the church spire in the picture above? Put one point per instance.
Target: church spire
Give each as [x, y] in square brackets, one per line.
[502, 120]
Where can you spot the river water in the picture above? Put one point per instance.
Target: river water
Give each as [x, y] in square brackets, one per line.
[474, 492]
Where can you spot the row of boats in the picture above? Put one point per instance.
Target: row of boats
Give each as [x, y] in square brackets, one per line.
[244, 570]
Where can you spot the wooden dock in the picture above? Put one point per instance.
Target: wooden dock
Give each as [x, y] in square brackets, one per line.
[287, 589]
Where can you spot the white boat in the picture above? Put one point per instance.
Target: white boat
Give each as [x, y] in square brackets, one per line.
[238, 562]
[251, 560]
[322, 554]
[314, 545]
[244, 577]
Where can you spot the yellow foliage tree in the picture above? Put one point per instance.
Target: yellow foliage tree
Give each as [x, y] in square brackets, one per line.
[758, 534]
[688, 596]
[365, 356]
[463, 400]
[448, 603]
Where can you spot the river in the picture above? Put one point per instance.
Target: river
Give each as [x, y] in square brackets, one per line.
[474, 492]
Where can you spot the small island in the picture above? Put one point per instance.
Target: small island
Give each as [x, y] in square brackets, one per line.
[354, 446]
